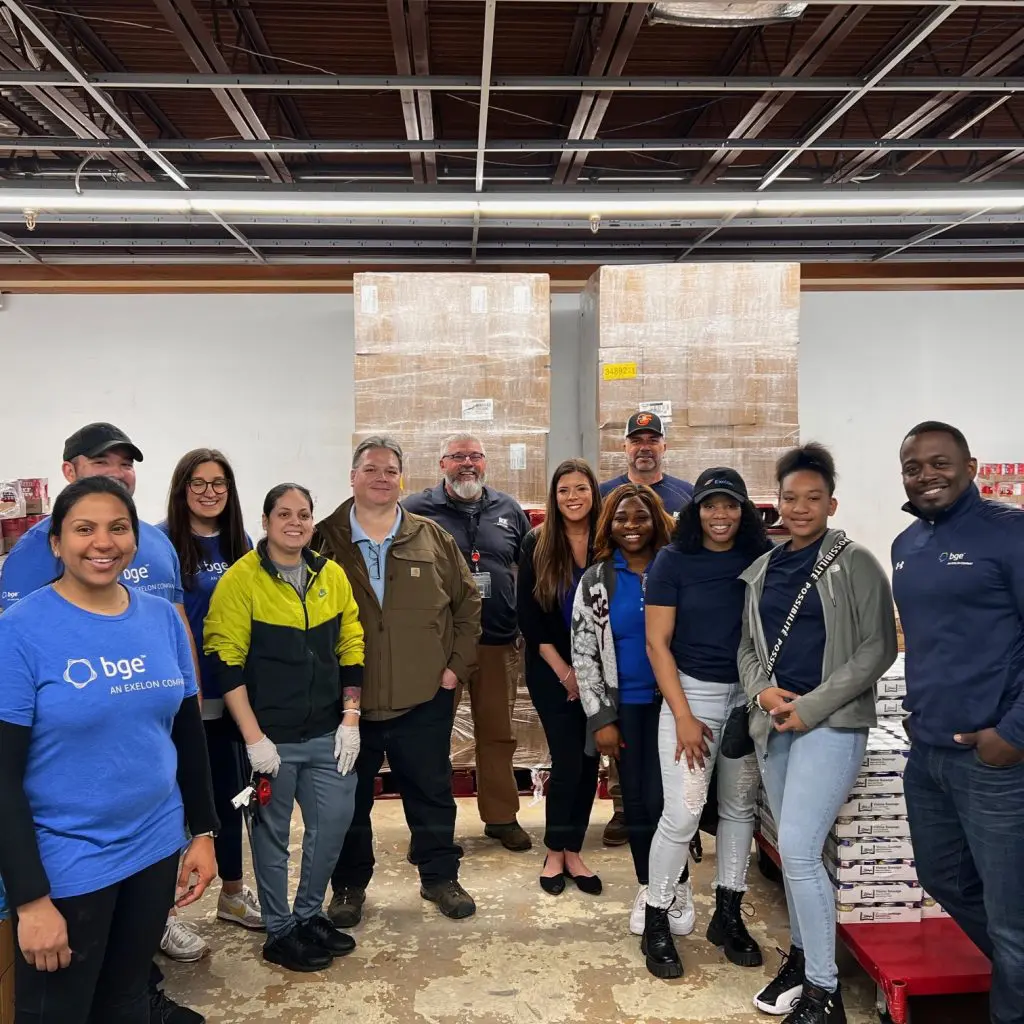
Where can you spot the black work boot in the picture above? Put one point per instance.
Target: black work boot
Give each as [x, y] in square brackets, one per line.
[657, 945]
[346, 908]
[817, 1006]
[728, 930]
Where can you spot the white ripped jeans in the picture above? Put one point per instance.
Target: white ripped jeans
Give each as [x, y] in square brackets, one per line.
[686, 793]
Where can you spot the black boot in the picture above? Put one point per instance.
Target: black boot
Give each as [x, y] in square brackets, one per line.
[817, 1006]
[657, 945]
[728, 930]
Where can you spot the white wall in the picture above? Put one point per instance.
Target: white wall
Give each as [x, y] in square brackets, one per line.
[268, 378]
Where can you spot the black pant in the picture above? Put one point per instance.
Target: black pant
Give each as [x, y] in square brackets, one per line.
[417, 745]
[113, 934]
[229, 779]
[573, 782]
[640, 778]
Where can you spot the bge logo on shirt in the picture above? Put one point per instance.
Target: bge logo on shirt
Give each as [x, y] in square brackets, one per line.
[80, 671]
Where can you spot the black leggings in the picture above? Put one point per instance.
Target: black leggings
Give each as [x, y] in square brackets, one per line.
[114, 934]
[229, 769]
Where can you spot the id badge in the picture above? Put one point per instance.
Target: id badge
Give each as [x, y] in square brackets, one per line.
[483, 583]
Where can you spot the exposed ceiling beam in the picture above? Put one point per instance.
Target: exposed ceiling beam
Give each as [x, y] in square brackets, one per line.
[827, 38]
[6, 239]
[1006, 54]
[202, 50]
[403, 64]
[569, 172]
[891, 60]
[995, 167]
[723, 83]
[78, 27]
[416, 19]
[485, 99]
[924, 237]
[63, 109]
[57, 144]
[246, 17]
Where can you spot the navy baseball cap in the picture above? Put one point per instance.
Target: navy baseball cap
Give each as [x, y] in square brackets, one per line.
[640, 421]
[721, 480]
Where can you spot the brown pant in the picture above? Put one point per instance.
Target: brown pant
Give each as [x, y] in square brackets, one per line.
[492, 695]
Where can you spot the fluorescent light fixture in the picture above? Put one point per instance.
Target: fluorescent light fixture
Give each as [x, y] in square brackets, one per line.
[378, 205]
[723, 13]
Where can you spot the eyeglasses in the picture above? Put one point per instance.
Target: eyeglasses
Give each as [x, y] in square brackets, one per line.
[473, 457]
[199, 486]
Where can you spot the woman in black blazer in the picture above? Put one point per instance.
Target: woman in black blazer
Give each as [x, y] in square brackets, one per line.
[553, 558]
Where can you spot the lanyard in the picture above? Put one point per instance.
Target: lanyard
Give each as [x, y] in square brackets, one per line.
[472, 529]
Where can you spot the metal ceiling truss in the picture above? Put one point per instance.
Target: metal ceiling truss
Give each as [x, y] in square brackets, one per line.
[424, 166]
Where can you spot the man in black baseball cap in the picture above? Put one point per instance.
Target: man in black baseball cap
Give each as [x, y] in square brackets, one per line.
[95, 440]
[645, 447]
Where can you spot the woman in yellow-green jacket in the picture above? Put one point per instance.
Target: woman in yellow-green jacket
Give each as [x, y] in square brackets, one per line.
[284, 628]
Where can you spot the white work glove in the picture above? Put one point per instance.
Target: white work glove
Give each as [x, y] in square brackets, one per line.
[346, 747]
[263, 756]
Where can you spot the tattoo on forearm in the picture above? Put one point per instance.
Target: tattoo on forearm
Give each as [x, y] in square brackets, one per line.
[350, 696]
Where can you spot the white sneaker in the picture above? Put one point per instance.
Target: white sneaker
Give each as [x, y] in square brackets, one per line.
[181, 943]
[241, 908]
[682, 918]
[638, 915]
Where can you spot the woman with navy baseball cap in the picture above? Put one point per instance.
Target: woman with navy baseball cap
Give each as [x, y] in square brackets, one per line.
[694, 618]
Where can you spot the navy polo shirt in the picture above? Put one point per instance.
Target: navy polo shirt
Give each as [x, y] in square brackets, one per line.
[675, 494]
[959, 587]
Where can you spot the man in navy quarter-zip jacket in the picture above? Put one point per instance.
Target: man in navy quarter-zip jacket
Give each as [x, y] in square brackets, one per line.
[958, 580]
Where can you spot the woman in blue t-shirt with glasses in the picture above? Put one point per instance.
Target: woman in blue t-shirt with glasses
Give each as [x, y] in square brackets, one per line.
[204, 523]
[102, 764]
[694, 616]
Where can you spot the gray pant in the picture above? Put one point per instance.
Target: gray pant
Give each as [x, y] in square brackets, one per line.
[309, 775]
[686, 793]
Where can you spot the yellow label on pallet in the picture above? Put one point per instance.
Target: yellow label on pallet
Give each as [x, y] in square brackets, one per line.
[618, 371]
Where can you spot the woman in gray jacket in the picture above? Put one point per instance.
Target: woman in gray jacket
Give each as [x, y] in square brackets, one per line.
[818, 632]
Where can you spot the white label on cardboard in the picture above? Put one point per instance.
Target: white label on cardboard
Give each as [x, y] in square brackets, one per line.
[368, 298]
[517, 457]
[522, 299]
[662, 409]
[478, 299]
[478, 408]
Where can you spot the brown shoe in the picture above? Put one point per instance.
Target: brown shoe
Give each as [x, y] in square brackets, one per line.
[615, 833]
[512, 836]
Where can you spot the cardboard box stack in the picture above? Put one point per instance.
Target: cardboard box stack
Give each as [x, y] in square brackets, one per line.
[22, 504]
[1002, 481]
[868, 854]
[441, 353]
[710, 347]
[438, 354]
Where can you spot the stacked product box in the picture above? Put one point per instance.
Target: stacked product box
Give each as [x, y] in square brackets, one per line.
[1002, 481]
[710, 347]
[868, 853]
[23, 503]
[439, 354]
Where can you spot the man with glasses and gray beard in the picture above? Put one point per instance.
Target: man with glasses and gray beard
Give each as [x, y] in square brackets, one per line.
[420, 614]
[489, 527]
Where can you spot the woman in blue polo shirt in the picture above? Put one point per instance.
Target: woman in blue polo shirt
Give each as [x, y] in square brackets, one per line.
[618, 690]
[694, 616]
[102, 764]
[204, 523]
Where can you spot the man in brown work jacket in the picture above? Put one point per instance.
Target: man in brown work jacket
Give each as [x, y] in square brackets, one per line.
[420, 613]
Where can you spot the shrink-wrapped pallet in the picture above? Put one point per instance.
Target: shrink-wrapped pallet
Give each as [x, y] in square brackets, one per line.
[711, 348]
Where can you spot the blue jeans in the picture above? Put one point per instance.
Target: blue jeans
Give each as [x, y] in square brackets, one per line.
[967, 826]
[807, 778]
[309, 775]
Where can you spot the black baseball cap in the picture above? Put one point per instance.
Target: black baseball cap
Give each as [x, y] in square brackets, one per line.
[720, 480]
[644, 421]
[94, 439]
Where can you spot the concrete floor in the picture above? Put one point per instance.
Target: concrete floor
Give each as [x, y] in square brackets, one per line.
[524, 957]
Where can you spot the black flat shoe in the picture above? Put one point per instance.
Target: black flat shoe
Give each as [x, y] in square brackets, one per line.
[590, 884]
[553, 886]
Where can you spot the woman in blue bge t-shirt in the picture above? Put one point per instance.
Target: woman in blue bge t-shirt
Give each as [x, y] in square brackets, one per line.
[102, 764]
[204, 523]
